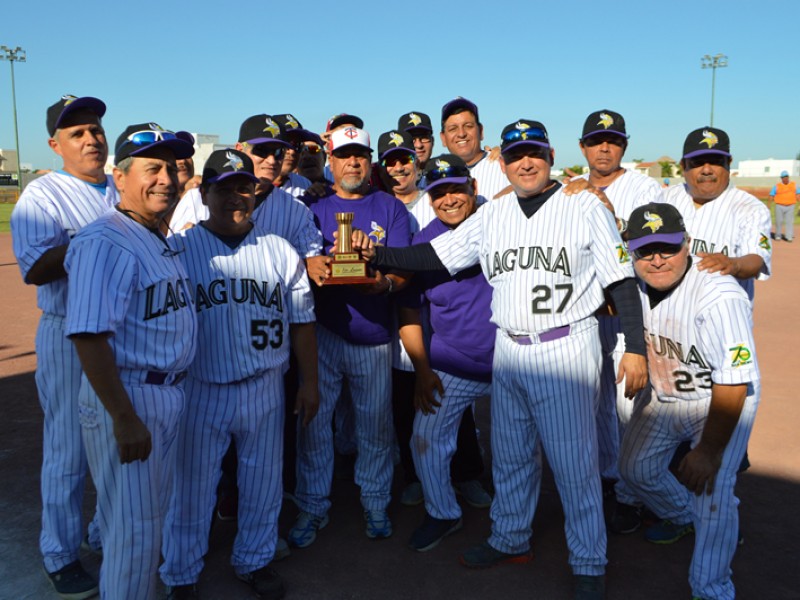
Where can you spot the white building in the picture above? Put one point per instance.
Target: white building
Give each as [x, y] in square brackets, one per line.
[770, 167]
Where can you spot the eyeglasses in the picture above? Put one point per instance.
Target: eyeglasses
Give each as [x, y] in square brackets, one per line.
[265, 150]
[403, 159]
[424, 138]
[665, 251]
[717, 160]
[529, 134]
[148, 136]
[313, 149]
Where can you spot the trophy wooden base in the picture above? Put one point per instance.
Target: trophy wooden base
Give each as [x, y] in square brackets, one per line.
[348, 268]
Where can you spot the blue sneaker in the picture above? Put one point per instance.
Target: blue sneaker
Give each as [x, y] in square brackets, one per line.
[590, 587]
[305, 528]
[432, 531]
[667, 532]
[378, 524]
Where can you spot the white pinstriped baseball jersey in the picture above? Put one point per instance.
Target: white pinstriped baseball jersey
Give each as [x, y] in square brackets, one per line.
[700, 334]
[280, 214]
[50, 211]
[296, 185]
[735, 224]
[245, 298]
[125, 280]
[629, 191]
[490, 177]
[546, 271]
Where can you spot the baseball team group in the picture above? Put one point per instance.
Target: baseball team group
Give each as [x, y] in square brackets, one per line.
[199, 356]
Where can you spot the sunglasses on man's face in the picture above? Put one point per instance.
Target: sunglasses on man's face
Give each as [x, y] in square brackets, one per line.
[665, 251]
[265, 150]
[717, 160]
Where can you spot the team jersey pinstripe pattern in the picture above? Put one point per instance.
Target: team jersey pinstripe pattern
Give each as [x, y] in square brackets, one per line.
[490, 177]
[280, 214]
[124, 284]
[735, 223]
[546, 271]
[627, 192]
[546, 392]
[252, 413]
[234, 289]
[699, 335]
[50, 211]
[123, 279]
[370, 390]
[132, 499]
[433, 443]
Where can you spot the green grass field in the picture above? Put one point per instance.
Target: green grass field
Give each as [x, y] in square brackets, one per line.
[5, 216]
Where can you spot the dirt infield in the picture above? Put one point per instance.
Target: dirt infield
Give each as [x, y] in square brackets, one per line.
[343, 564]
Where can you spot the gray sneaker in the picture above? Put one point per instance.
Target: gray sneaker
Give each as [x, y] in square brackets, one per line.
[305, 528]
[473, 493]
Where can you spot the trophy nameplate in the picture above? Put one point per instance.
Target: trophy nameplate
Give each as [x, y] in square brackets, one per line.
[347, 266]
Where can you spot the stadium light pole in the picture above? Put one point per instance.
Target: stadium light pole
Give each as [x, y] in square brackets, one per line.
[713, 62]
[14, 55]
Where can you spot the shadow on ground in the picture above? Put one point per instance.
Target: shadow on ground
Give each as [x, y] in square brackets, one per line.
[344, 564]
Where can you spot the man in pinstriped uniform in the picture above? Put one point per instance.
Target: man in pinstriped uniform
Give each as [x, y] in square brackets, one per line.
[50, 211]
[252, 297]
[354, 335]
[704, 386]
[131, 318]
[549, 259]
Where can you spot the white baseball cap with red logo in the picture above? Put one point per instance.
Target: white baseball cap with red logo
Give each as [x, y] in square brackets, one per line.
[349, 136]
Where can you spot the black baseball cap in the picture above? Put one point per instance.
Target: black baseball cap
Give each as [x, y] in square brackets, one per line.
[395, 140]
[446, 168]
[655, 222]
[69, 104]
[344, 119]
[414, 121]
[706, 140]
[144, 137]
[223, 164]
[293, 130]
[262, 129]
[459, 104]
[604, 121]
[524, 131]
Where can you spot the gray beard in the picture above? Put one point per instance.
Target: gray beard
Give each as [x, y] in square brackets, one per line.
[352, 186]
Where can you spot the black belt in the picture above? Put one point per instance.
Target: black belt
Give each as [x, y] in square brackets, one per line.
[162, 378]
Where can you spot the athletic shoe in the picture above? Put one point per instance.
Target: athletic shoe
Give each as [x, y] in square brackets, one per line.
[282, 550]
[625, 518]
[485, 556]
[473, 493]
[265, 582]
[412, 494]
[432, 531]
[73, 582]
[228, 507]
[305, 528]
[87, 547]
[182, 592]
[590, 587]
[378, 524]
[667, 532]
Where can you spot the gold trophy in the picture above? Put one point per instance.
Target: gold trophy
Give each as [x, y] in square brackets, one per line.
[347, 266]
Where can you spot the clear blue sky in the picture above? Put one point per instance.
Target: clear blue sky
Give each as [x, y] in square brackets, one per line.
[205, 67]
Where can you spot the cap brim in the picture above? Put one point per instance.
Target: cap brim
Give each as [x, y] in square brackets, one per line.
[524, 142]
[701, 152]
[94, 105]
[400, 149]
[266, 140]
[456, 180]
[656, 238]
[229, 174]
[304, 135]
[619, 133]
[181, 148]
